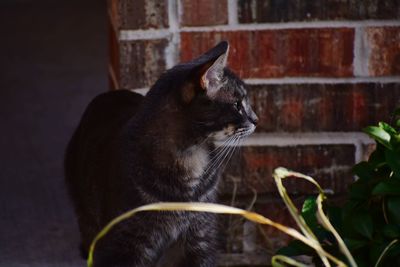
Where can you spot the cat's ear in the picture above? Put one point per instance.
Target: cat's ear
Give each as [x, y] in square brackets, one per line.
[212, 72]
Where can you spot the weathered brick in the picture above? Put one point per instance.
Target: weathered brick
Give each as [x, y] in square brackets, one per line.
[384, 50]
[367, 150]
[141, 62]
[276, 210]
[204, 12]
[323, 107]
[256, 11]
[113, 13]
[252, 168]
[140, 14]
[240, 236]
[113, 48]
[278, 53]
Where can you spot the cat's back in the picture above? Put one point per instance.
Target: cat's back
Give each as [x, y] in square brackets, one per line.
[110, 109]
[106, 114]
[88, 152]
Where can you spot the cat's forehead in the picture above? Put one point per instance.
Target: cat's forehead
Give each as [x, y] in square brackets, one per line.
[234, 84]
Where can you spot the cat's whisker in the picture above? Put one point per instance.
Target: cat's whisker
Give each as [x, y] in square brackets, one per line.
[224, 163]
[221, 154]
[228, 154]
[222, 145]
[217, 156]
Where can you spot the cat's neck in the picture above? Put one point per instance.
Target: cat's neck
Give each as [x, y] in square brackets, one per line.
[172, 140]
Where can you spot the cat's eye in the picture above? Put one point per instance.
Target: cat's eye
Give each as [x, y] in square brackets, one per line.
[238, 105]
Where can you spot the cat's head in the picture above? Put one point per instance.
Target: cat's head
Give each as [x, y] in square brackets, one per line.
[215, 98]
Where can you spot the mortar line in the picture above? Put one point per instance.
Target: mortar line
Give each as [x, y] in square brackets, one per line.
[322, 80]
[294, 25]
[360, 64]
[311, 80]
[232, 12]
[170, 53]
[150, 34]
[285, 139]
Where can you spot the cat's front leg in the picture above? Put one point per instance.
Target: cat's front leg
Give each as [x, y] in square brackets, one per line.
[201, 244]
[138, 245]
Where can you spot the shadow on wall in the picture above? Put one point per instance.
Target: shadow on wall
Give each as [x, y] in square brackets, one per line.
[54, 60]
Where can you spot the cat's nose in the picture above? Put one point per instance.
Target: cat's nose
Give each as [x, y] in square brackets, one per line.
[253, 118]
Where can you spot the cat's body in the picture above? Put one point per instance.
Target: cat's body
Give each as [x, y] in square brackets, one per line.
[131, 150]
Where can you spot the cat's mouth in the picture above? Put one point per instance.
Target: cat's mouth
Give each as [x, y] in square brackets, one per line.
[245, 131]
[231, 131]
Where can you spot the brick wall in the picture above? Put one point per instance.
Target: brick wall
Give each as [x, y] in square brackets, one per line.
[318, 71]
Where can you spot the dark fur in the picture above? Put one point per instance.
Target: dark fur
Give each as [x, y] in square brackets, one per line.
[131, 150]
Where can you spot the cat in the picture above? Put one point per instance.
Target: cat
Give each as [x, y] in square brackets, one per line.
[130, 150]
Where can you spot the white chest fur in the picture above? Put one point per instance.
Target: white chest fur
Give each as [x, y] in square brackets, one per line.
[194, 160]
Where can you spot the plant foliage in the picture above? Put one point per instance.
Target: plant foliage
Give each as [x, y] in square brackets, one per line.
[369, 221]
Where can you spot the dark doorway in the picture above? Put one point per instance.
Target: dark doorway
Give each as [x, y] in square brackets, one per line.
[53, 60]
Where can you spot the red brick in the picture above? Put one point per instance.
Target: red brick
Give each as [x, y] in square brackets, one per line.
[277, 211]
[262, 237]
[322, 107]
[384, 50]
[141, 62]
[256, 11]
[252, 168]
[279, 53]
[204, 12]
[266, 238]
[113, 13]
[139, 14]
[367, 151]
[113, 48]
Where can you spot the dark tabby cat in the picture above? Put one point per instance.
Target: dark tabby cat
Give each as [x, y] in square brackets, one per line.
[131, 150]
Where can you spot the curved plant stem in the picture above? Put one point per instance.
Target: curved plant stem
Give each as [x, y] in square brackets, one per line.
[385, 251]
[281, 258]
[280, 174]
[307, 237]
[328, 226]
[203, 207]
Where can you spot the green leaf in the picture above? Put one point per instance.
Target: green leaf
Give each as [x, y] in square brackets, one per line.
[295, 248]
[379, 134]
[362, 223]
[377, 158]
[309, 213]
[396, 112]
[359, 191]
[389, 129]
[363, 170]
[375, 251]
[393, 160]
[393, 207]
[387, 187]
[335, 215]
[391, 231]
[395, 250]
[353, 244]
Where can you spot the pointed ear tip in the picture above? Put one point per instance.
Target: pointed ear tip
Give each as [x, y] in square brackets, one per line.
[224, 45]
